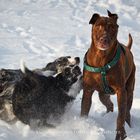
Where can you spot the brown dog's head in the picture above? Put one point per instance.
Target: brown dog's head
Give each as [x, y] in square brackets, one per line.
[104, 30]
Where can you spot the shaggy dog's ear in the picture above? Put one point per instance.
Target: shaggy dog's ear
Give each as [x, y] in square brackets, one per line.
[112, 15]
[94, 18]
[50, 66]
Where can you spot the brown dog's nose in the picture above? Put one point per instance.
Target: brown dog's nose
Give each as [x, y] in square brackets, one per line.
[104, 39]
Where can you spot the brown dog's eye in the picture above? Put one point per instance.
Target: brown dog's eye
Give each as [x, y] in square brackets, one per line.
[112, 28]
[98, 27]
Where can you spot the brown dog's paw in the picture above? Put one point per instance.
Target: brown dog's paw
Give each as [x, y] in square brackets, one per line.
[121, 135]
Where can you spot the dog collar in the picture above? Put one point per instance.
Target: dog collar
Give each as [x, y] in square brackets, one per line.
[103, 70]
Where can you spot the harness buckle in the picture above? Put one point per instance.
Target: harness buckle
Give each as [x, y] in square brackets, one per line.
[103, 71]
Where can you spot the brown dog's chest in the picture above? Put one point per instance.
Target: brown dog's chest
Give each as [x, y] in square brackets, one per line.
[116, 76]
[93, 81]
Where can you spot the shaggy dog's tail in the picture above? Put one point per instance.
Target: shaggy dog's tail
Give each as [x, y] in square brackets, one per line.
[23, 68]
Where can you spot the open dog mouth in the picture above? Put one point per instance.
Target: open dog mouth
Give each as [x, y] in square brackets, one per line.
[72, 72]
[76, 71]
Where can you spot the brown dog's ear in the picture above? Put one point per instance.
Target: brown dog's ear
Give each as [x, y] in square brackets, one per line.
[94, 18]
[113, 16]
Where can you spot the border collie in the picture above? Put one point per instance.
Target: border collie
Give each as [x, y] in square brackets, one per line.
[36, 97]
[9, 77]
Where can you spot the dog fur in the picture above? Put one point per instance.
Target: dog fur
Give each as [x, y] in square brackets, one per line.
[36, 98]
[121, 77]
[9, 77]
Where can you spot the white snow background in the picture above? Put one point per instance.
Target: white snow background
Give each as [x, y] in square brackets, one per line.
[39, 31]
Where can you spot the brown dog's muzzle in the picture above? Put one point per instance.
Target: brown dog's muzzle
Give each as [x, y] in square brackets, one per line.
[104, 40]
[103, 43]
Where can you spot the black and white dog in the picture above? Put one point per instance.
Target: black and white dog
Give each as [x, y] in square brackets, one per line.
[9, 77]
[36, 97]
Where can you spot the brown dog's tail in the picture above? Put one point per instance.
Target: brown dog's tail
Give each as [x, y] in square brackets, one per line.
[129, 45]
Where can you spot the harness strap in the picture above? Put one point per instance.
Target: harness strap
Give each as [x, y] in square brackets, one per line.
[103, 70]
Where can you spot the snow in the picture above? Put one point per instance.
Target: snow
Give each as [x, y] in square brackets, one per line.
[38, 31]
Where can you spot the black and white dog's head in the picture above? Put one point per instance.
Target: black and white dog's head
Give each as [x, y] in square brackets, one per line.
[69, 76]
[58, 65]
[38, 97]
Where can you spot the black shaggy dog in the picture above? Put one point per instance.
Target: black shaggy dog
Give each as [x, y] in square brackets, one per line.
[9, 77]
[36, 98]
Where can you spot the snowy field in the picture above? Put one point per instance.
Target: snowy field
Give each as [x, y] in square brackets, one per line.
[39, 31]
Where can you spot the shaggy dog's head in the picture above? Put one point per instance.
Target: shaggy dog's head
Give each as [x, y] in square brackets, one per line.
[58, 65]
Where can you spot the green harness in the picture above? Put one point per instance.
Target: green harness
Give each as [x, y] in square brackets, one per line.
[103, 70]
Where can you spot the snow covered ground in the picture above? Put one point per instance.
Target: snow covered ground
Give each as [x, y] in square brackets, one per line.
[39, 31]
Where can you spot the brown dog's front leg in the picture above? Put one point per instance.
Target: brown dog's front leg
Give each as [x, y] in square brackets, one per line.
[122, 106]
[105, 99]
[86, 102]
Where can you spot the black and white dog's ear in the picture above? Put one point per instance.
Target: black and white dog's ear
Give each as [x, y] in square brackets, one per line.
[112, 15]
[94, 18]
[51, 66]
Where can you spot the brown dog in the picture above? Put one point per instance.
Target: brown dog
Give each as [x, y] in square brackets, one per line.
[109, 68]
